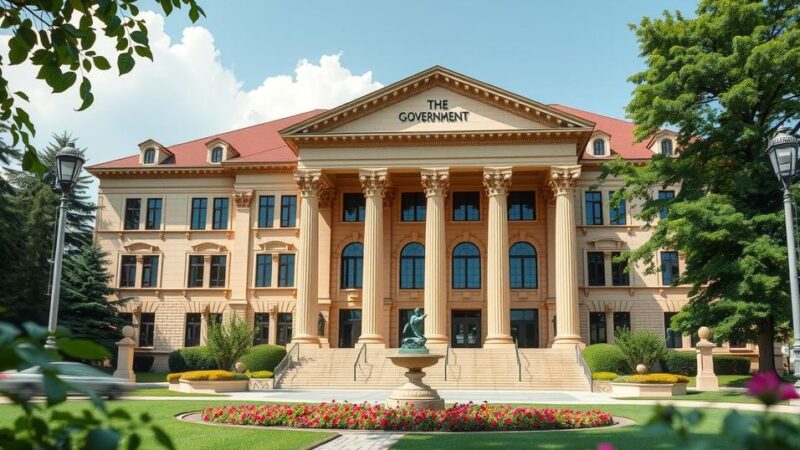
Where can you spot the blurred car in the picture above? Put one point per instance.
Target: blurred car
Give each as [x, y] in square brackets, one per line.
[29, 382]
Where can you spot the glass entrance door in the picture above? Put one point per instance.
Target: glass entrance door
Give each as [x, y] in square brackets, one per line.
[349, 327]
[465, 329]
[525, 327]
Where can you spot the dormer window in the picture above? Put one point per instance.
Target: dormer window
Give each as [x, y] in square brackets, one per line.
[216, 155]
[149, 156]
[599, 147]
[666, 147]
[219, 150]
[152, 153]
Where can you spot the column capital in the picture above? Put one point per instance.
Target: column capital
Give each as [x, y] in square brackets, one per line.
[309, 181]
[435, 181]
[374, 182]
[564, 178]
[496, 180]
[242, 198]
[326, 197]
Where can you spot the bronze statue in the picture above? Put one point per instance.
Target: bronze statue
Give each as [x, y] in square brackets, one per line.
[413, 339]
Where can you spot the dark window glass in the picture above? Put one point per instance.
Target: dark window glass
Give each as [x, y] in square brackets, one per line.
[665, 197]
[133, 208]
[521, 205]
[286, 271]
[466, 206]
[599, 147]
[622, 321]
[149, 271]
[261, 329]
[674, 339]
[284, 328]
[596, 268]
[153, 220]
[525, 327]
[669, 267]
[199, 207]
[266, 211]
[618, 275]
[616, 216]
[594, 208]
[263, 270]
[466, 266]
[191, 337]
[352, 270]
[216, 155]
[127, 271]
[126, 318]
[288, 211]
[147, 328]
[149, 156]
[196, 268]
[218, 264]
[353, 207]
[220, 219]
[523, 266]
[597, 328]
[412, 205]
[412, 266]
[666, 147]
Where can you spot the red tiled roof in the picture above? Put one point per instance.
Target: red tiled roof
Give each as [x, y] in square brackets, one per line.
[258, 143]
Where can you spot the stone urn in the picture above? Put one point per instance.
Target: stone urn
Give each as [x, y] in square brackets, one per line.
[415, 392]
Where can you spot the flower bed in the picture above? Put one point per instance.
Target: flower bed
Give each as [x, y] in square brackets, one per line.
[649, 385]
[354, 416]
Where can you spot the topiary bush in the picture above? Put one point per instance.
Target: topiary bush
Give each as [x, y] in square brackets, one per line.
[212, 375]
[191, 358]
[260, 374]
[640, 347]
[731, 365]
[685, 363]
[653, 378]
[263, 357]
[604, 376]
[605, 358]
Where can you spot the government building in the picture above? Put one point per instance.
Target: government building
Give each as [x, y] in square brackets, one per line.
[440, 192]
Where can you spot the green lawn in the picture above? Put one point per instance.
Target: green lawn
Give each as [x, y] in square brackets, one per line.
[727, 380]
[150, 377]
[165, 392]
[723, 397]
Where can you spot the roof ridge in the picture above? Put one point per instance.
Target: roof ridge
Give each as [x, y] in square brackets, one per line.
[594, 113]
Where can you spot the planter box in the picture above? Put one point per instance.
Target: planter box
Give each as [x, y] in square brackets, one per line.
[175, 386]
[213, 387]
[601, 386]
[647, 390]
[261, 384]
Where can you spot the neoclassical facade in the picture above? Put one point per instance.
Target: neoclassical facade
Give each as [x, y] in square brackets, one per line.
[438, 192]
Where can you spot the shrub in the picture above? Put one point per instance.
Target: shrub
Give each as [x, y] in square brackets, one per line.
[604, 376]
[191, 358]
[228, 341]
[174, 377]
[731, 365]
[260, 374]
[143, 363]
[653, 378]
[263, 357]
[212, 375]
[685, 363]
[640, 347]
[604, 358]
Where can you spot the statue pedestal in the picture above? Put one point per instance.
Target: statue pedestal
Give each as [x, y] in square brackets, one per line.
[415, 392]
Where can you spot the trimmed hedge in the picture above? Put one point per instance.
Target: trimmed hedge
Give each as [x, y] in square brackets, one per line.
[191, 358]
[685, 363]
[605, 358]
[143, 363]
[260, 374]
[604, 376]
[653, 378]
[731, 365]
[263, 357]
[212, 375]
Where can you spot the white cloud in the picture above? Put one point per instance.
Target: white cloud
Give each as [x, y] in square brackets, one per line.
[186, 93]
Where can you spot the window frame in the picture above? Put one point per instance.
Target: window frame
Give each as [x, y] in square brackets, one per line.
[147, 330]
[132, 219]
[463, 262]
[220, 212]
[199, 211]
[288, 211]
[595, 216]
[667, 195]
[671, 337]
[151, 269]
[618, 215]
[476, 207]
[598, 276]
[522, 259]
[218, 150]
[265, 275]
[598, 334]
[123, 276]
[618, 275]
[266, 211]
[417, 262]
[260, 327]
[357, 200]
[193, 269]
[197, 327]
[221, 278]
[670, 151]
[511, 206]
[153, 212]
[287, 331]
[354, 263]
[286, 270]
[149, 156]
[673, 263]
[602, 143]
[419, 210]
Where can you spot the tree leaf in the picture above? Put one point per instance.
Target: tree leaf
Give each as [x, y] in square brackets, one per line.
[101, 63]
[103, 439]
[139, 37]
[86, 94]
[162, 437]
[82, 348]
[125, 63]
[17, 50]
[65, 82]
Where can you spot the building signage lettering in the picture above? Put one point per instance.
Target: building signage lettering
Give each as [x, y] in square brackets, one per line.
[439, 112]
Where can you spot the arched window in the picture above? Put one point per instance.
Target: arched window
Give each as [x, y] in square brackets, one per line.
[599, 147]
[666, 147]
[523, 266]
[466, 266]
[352, 266]
[149, 156]
[216, 155]
[412, 266]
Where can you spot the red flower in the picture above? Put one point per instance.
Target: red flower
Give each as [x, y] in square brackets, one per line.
[770, 389]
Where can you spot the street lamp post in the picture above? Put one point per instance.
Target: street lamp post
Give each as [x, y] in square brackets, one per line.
[782, 151]
[68, 169]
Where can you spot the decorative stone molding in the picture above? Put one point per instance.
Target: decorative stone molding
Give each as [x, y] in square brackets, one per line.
[496, 180]
[326, 197]
[277, 246]
[435, 181]
[309, 182]
[388, 196]
[209, 247]
[242, 198]
[374, 182]
[140, 247]
[564, 178]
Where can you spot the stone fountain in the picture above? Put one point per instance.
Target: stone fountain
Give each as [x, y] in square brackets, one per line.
[415, 356]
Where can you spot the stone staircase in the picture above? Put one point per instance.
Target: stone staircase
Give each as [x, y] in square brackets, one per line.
[539, 369]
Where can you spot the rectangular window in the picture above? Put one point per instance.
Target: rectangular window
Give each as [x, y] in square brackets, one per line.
[596, 268]
[153, 219]
[127, 271]
[133, 208]
[199, 207]
[618, 275]
[220, 219]
[218, 265]
[412, 205]
[466, 206]
[263, 270]
[353, 207]
[674, 339]
[266, 211]
[147, 328]
[149, 271]
[521, 205]
[616, 215]
[191, 337]
[284, 335]
[594, 208]
[669, 268]
[286, 271]
[622, 321]
[665, 197]
[261, 329]
[597, 328]
[196, 268]
[288, 211]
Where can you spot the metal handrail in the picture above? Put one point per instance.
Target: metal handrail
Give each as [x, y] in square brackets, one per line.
[519, 363]
[355, 363]
[582, 361]
[285, 364]
[446, 360]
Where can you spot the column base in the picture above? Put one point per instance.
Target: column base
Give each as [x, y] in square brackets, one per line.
[707, 382]
[436, 339]
[305, 339]
[498, 342]
[568, 341]
[374, 340]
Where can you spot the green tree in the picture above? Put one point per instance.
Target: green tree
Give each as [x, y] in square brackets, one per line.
[726, 80]
[228, 341]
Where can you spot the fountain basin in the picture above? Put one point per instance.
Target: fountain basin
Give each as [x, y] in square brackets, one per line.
[415, 392]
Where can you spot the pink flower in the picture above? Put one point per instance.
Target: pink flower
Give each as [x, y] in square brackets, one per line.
[770, 389]
[605, 446]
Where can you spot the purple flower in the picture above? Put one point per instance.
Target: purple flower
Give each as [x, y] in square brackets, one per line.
[770, 389]
[605, 446]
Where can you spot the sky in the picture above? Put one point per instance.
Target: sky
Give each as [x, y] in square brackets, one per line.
[252, 61]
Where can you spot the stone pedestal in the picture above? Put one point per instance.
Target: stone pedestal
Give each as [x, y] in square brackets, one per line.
[415, 392]
[125, 355]
[706, 380]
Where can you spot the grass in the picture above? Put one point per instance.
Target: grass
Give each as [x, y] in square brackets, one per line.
[720, 397]
[726, 380]
[165, 392]
[150, 377]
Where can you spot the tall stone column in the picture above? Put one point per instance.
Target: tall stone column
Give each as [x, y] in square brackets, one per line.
[496, 180]
[310, 183]
[374, 183]
[562, 181]
[435, 182]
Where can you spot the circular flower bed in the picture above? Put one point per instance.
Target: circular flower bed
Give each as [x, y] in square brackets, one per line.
[364, 416]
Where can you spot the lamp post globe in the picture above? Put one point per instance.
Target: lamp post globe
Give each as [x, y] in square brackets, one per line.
[69, 162]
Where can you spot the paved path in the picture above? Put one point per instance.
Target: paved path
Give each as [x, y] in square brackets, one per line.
[362, 441]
